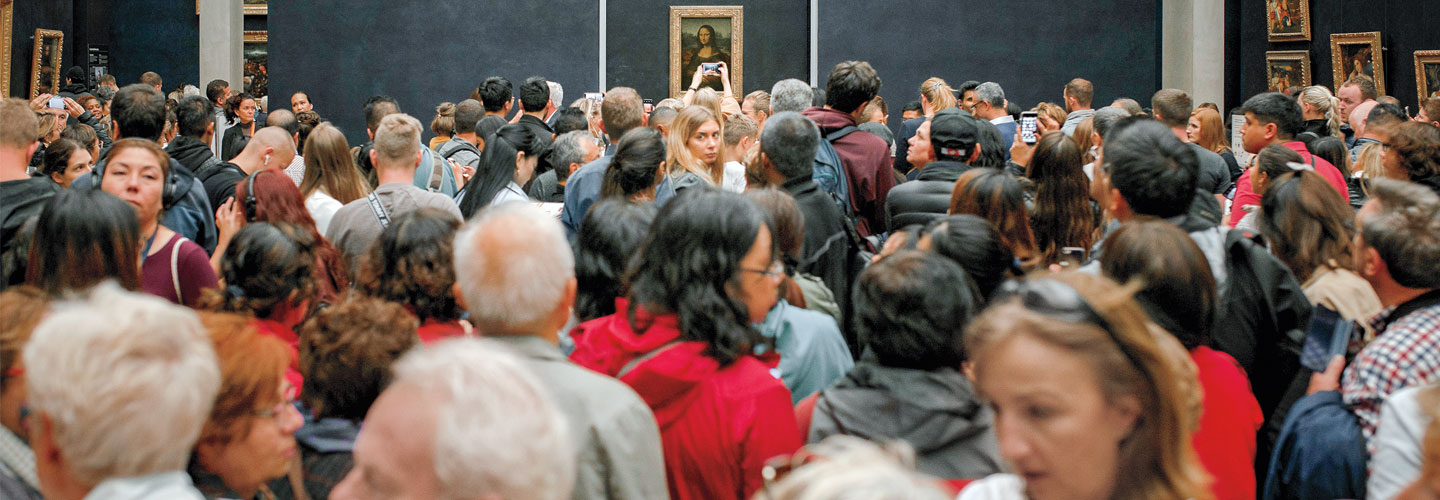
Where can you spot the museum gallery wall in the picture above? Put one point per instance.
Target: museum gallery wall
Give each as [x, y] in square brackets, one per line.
[1348, 26]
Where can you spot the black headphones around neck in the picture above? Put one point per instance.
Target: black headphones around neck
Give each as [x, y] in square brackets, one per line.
[250, 196]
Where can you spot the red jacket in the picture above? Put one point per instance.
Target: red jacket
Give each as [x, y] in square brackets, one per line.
[718, 424]
[1225, 441]
[433, 330]
[1244, 195]
[867, 165]
[281, 324]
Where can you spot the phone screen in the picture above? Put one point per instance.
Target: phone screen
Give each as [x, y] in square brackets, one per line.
[1027, 127]
[1328, 336]
[1071, 257]
[57, 102]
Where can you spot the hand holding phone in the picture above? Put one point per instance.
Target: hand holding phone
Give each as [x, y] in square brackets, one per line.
[57, 103]
[1028, 125]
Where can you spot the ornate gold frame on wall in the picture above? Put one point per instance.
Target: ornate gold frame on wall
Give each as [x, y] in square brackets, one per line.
[1377, 56]
[737, 43]
[41, 35]
[256, 10]
[1303, 36]
[1303, 56]
[1423, 57]
[7, 33]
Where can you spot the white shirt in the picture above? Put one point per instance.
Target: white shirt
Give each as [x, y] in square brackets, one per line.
[322, 208]
[995, 487]
[512, 192]
[296, 170]
[1002, 119]
[173, 485]
[734, 177]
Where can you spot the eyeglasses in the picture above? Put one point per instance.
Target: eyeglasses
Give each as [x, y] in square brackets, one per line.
[287, 401]
[1060, 301]
[776, 271]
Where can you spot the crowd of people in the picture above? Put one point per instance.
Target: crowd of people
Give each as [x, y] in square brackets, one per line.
[765, 296]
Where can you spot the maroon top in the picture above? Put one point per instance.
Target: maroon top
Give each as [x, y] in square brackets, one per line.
[192, 266]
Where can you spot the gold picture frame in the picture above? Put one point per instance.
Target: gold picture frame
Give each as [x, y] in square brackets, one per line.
[1427, 74]
[724, 22]
[1286, 68]
[1352, 53]
[7, 33]
[1287, 20]
[45, 62]
[256, 7]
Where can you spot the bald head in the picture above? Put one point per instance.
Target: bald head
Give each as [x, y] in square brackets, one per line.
[515, 271]
[283, 119]
[271, 147]
[1358, 116]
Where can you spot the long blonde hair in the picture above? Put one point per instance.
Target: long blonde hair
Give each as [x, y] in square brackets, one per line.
[678, 157]
[592, 115]
[1325, 102]
[938, 94]
[1369, 164]
[329, 166]
[1157, 460]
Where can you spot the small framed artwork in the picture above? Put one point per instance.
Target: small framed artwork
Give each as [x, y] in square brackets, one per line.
[256, 74]
[1287, 20]
[1286, 68]
[1354, 54]
[701, 40]
[1427, 74]
[256, 7]
[45, 64]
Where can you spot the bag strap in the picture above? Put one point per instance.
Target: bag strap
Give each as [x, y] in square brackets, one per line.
[647, 357]
[838, 134]
[175, 269]
[437, 173]
[297, 481]
[378, 209]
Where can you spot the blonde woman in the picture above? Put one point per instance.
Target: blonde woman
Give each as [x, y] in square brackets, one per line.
[331, 179]
[1321, 111]
[935, 95]
[1089, 404]
[694, 156]
[443, 125]
[592, 116]
[1208, 130]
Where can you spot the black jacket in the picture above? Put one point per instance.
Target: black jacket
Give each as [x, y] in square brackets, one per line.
[193, 154]
[21, 202]
[828, 250]
[544, 136]
[220, 182]
[926, 198]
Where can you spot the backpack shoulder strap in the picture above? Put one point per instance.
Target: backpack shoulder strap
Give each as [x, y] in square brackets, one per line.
[381, 214]
[836, 135]
[437, 172]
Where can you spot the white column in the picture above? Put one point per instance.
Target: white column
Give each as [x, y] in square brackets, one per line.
[222, 28]
[1193, 49]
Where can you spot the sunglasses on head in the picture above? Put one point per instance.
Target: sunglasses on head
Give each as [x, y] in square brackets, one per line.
[1061, 301]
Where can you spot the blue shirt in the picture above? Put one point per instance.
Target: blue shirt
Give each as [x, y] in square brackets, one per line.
[583, 189]
[813, 355]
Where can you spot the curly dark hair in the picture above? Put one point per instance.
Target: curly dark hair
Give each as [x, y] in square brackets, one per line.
[264, 264]
[689, 261]
[346, 352]
[412, 264]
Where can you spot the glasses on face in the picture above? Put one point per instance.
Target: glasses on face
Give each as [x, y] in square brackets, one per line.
[776, 271]
[287, 402]
[1058, 300]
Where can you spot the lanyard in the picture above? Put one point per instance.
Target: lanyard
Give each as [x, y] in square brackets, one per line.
[145, 253]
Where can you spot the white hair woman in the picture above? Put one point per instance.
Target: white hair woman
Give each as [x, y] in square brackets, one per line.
[119, 386]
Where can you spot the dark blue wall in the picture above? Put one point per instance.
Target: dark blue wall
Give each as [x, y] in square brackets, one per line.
[1032, 49]
[1401, 24]
[155, 35]
[422, 52]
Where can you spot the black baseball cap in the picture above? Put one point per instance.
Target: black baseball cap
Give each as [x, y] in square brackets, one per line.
[953, 134]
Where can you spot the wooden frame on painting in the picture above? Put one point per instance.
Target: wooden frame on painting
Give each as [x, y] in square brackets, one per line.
[1427, 74]
[7, 33]
[1357, 53]
[1287, 20]
[45, 63]
[256, 7]
[698, 35]
[1286, 68]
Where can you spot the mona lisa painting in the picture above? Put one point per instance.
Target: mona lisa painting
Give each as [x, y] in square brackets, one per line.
[706, 45]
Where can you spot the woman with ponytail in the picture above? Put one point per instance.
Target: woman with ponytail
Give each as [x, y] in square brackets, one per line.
[1321, 111]
[935, 95]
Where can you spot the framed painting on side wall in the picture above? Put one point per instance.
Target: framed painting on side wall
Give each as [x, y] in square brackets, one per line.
[45, 65]
[710, 42]
[1355, 54]
[1287, 20]
[1286, 68]
[256, 7]
[1427, 74]
[257, 54]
